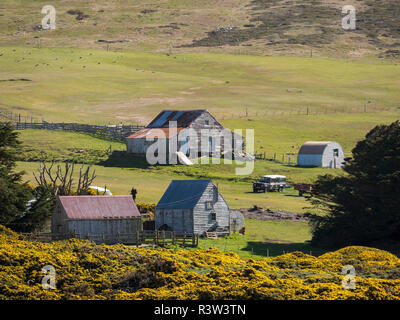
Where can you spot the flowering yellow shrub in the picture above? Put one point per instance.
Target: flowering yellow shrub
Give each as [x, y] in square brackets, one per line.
[88, 271]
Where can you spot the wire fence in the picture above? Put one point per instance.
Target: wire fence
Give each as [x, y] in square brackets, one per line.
[288, 158]
[307, 111]
[264, 249]
[138, 238]
[114, 132]
[182, 240]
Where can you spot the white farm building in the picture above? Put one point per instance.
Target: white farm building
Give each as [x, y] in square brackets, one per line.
[327, 154]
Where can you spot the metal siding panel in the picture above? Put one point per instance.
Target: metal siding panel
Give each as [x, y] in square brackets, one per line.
[201, 215]
[309, 160]
[328, 158]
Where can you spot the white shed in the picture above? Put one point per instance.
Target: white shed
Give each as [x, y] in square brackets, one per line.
[327, 154]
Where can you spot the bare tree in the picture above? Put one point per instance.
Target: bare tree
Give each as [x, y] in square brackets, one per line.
[60, 180]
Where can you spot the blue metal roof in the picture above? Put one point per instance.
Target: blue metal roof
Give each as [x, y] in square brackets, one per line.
[161, 120]
[183, 194]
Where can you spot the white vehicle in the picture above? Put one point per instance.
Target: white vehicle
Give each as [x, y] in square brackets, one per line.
[270, 183]
[101, 191]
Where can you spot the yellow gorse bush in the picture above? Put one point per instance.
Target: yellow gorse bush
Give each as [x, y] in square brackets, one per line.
[85, 270]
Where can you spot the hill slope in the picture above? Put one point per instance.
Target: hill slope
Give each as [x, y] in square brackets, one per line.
[272, 27]
[96, 86]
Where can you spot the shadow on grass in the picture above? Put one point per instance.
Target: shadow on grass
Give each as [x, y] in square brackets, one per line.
[271, 249]
[121, 159]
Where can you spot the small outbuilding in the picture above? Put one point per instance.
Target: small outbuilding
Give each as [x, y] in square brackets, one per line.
[103, 219]
[237, 221]
[193, 206]
[327, 154]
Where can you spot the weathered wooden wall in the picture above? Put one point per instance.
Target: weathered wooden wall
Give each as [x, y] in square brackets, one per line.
[139, 146]
[111, 228]
[202, 216]
[179, 220]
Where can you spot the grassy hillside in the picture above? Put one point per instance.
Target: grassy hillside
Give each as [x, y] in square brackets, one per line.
[120, 172]
[232, 26]
[284, 134]
[61, 146]
[266, 238]
[96, 86]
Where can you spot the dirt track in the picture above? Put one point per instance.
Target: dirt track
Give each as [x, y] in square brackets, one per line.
[268, 214]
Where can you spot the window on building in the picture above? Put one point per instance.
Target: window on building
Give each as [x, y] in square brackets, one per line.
[336, 152]
[209, 205]
[207, 122]
[213, 216]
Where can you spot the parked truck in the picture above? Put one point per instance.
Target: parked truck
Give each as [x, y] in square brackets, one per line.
[270, 183]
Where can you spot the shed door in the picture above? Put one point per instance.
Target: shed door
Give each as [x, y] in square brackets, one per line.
[211, 144]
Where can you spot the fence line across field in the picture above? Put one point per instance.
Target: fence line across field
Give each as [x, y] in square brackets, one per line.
[308, 111]
[114, 132]
[161, 238]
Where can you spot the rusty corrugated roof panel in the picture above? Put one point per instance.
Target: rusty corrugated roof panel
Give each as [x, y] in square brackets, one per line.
[152, 133]
[99, 207]
[313, 147]
[183, 118]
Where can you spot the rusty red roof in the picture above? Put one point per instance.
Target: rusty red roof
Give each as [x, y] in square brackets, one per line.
[99, 207]
[152, 133]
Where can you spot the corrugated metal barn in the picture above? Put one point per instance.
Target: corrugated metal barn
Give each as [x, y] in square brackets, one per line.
[193, 206]
[327, 154]
[193, 119]
[109, 217]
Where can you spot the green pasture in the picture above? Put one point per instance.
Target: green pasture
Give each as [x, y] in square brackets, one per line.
[95, 86]
[151, 184]
[265, 238]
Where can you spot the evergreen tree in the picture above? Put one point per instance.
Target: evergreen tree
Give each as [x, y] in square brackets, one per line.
[362, 207]
[13, 194]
